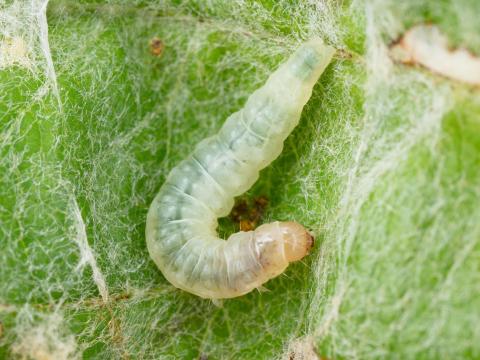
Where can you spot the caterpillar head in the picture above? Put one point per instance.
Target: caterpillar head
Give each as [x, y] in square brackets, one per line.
[297, 241]
[280, 243]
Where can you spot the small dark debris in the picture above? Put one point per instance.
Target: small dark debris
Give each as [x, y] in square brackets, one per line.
[122, 296]
[247, 213]
[1, 330]
[156, 47]
[247, 225]
[203, 357]
[239, 210]
[261, 202]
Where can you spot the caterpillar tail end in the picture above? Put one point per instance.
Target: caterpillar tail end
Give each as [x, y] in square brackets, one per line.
[311, 59]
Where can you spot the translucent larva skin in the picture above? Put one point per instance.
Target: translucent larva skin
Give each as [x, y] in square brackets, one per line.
[182, 220]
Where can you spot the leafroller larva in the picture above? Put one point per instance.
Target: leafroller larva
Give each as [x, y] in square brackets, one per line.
[182, 219]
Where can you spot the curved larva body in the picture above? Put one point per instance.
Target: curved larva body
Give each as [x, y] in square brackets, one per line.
[182, 219]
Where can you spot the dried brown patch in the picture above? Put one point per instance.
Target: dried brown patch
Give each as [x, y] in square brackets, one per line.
[247, 225]
[156, 47]
[248, 213]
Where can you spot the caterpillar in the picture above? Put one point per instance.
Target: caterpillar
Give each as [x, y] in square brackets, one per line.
[182, 219]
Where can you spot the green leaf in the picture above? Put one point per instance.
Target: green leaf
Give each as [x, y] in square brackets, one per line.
[384, 168]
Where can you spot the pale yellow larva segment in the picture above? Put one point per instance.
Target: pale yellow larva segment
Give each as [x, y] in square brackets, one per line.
[272, 111]
[181, 221]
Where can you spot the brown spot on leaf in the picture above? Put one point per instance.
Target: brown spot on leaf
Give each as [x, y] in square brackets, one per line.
[261, 202]
[248, 213]
[247, 225]
[239, 210]
[156, 47]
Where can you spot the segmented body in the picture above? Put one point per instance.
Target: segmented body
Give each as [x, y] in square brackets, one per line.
[182, 220]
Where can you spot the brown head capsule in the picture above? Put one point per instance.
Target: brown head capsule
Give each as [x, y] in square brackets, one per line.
[280, 243]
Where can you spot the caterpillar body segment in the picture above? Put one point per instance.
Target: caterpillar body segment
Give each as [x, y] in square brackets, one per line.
[182, 219]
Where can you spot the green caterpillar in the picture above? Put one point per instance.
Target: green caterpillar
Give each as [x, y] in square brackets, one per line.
[182, 219]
